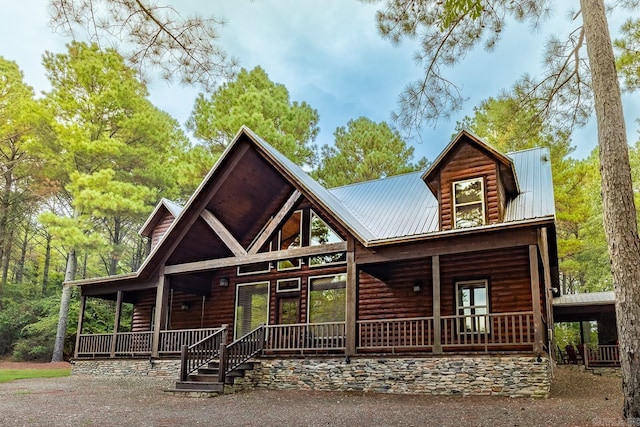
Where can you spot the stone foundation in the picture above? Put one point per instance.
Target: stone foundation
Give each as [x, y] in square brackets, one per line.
[500, 376]
[514, 376]
[160, 368]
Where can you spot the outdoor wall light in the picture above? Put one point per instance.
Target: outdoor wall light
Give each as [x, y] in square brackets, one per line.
[417, 286]
[185, 306]
[224, 282]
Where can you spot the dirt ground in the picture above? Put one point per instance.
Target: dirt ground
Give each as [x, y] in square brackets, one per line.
[577, 399]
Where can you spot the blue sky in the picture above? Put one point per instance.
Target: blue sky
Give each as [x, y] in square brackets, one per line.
[327, 53]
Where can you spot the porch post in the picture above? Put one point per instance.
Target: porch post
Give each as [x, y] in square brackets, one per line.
[116, 323]
[546, 266]
[83, 303]
[538, 344]
[437, 327]
[162, 296]
[352, 295]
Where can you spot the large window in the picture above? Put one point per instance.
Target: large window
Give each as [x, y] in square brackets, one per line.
[468, 203]
[321, 234]
[252, 307]
[327, 298]
[472, 303]
[290, 237]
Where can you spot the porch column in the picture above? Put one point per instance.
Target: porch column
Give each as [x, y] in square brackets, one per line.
[83, 303]
[543, 242]
[116, 323]
[162, 296]
[437, 327]
[538, 344]
[352, 296]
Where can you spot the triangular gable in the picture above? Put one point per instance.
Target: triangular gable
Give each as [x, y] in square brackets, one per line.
[163, 208]
[239, 169]
[507, 171]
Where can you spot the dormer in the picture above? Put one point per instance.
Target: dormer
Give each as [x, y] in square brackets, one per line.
[159, 221]
[472, 182]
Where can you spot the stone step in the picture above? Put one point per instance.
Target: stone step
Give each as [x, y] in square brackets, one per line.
[199, 386]
[208, 371]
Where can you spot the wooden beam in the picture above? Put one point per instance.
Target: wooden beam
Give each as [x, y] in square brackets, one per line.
[222, 232]
[162, 296]
[437, 327]
[445, 245]
[275, 222]
[214, 264]
[538, 345]
[116, 323]
[83, 303]
[352, 298]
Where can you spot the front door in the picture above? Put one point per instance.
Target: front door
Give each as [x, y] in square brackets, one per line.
[288, 311]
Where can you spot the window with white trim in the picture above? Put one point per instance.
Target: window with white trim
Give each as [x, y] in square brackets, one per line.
[290, 237]
[327, 298]
[468, 203]
[252, 307]
[472, 302]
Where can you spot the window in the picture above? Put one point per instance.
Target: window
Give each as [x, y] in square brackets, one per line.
[321, 233]
[468, 203]
[472, 303]
[288, 285]
[262, 267]
[252, 307]
[290, 237]
[327, 298]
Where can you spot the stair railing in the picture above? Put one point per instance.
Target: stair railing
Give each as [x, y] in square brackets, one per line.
[199, 354]
[240, 351]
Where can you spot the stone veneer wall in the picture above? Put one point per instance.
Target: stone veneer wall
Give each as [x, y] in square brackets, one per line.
[515, 376]
[491, 375]
[161, 368]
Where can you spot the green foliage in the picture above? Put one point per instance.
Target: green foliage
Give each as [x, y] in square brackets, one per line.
[628, 47]
[255, 101]
[363, 151]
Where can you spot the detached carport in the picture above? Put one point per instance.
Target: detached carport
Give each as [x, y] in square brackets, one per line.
[589, 307]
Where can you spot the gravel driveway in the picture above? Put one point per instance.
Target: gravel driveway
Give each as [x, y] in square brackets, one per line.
[577, 399]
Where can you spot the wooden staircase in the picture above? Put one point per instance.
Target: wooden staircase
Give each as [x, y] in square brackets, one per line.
[209, 365]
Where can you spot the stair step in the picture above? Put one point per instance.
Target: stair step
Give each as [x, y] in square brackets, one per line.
[203, 378]
[208, 371]
[199, 386]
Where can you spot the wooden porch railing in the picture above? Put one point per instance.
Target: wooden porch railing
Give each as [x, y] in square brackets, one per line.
[240, 351]
[602, 355]
[488, 330]
[300, 337]
[171, 341]
[391, 334]
[202, 352]
[138, 343]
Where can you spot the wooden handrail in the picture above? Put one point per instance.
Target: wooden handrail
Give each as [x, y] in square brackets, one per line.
[202, 352]
[240, 351]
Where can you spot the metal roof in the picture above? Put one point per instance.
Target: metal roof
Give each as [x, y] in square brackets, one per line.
[584, 299]
[392, 207]
[535, 200]
[403, 205]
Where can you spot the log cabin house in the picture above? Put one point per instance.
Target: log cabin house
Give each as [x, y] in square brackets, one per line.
[437, 281]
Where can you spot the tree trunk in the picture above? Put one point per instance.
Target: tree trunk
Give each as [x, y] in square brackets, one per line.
[23, 254]
[65, 300]
[47, 263]
[619, 212]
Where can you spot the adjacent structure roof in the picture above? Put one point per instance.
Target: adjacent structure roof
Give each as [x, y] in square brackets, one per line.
[164, 205]
[585, 299]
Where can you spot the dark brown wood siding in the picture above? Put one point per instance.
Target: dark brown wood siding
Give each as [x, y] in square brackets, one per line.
[507, 273]
[142, 309]
[468, 162]
[387, 291]
[161, 227]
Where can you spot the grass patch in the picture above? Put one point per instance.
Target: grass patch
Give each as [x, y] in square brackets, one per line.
[7, 375]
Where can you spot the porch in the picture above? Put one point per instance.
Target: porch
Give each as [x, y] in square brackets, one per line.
[494, 332]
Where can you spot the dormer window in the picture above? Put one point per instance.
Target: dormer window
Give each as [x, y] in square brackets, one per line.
[468, 203]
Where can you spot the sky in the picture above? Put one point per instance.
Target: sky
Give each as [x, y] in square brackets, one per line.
[327, 53]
